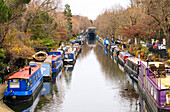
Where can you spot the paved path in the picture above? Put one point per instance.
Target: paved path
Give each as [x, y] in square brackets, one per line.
[3, 107]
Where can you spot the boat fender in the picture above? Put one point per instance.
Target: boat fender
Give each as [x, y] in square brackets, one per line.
[14, 97]
[135, 79]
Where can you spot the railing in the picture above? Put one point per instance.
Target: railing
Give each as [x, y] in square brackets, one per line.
[155, 79]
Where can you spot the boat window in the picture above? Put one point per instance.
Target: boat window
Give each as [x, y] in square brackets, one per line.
[30, 82]
[34, 79]
[146, 84]
[136, 67]
[151, 90]
[14, 85]
[54, 65]
[132, 66]
[149, 86]
[155, 93]
[168, 98]
[39, 74]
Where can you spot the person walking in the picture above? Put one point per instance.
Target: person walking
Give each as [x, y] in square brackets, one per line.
[2, 74]
[8, 71]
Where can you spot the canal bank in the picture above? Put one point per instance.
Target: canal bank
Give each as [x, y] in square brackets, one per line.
[3, 107]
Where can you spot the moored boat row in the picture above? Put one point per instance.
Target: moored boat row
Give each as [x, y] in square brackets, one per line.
[24, 85]
[153, 78]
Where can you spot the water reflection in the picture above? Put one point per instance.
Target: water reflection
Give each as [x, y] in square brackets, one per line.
[68, 73]
[118, 79]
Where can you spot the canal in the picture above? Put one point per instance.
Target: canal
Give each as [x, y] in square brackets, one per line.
[94, 84]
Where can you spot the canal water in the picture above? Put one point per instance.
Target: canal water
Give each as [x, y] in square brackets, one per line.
[94, 84]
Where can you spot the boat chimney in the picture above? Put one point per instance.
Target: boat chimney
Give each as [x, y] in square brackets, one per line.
[29, 70]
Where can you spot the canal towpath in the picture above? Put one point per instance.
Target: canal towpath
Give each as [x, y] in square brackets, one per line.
[3, 107]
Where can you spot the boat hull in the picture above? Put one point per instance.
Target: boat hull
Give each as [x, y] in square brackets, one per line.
[7, 99]
[133, 74]
[152, 106]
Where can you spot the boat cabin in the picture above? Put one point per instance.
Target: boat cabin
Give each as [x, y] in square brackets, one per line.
[154, 78]
[123, 55]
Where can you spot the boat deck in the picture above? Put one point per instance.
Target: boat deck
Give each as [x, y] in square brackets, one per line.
[156, 64]
[165, 81]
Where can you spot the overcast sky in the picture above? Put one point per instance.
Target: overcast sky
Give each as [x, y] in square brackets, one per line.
[92, 8]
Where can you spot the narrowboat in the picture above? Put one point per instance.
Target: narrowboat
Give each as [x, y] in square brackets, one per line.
[116, 53]
[46, 68]
[80, 40]
[112, 47]
[69, 57]
[57, 62]
[77, 48]
[132, 68]
[154, 85]
[23, 86]
[40, 56]
[106, 43]
[100, 40]
[123, 55]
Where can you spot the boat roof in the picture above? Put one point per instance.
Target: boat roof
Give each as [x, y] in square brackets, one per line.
[48, 59]
[24, 73]
[134, 60]
[57, 52]
[156, 64]
[55, 57]
[124, 53]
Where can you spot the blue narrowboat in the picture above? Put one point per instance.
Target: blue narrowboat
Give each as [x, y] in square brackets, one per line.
[57, 62]
[45, 68]
[123, 55]
[106, 43]
[69, 57]
[23, 86]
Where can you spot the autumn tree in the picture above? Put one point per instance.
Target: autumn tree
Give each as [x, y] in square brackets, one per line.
[2, 57]
[68, 15]
[159, 10]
